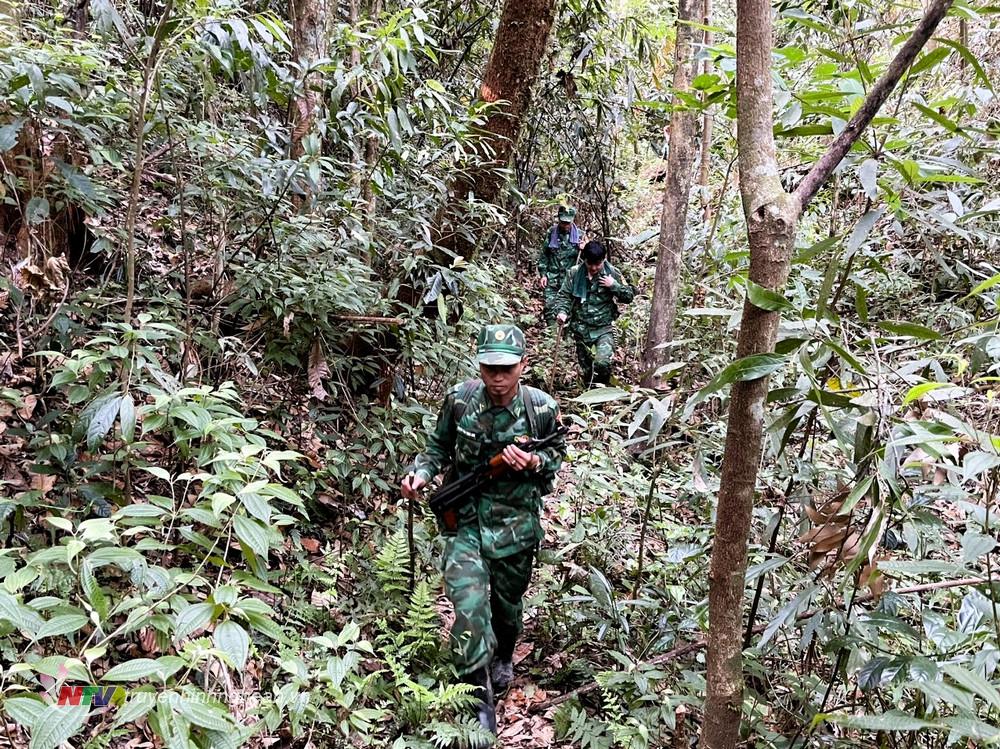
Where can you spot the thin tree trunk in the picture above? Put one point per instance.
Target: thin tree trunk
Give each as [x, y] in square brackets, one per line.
[707, 122]
[308, 45]
[148, 74]
[772, 216]
[509, 77]
[371, 147]
[673, 218]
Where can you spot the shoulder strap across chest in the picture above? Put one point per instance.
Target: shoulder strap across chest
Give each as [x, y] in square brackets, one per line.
[527, 395]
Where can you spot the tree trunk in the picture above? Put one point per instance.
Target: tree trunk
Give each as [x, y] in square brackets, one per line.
[707, 122]
[673, 218]
[772, 215]
[509, 77]
[308, 45]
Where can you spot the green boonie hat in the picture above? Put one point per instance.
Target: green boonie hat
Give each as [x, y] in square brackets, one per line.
[567, 213]
[500, 345]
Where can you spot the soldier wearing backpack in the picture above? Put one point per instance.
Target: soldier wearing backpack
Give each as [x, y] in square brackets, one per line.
[489, 557]
[559, 252]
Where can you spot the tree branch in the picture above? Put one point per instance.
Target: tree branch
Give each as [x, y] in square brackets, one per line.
[823, 168]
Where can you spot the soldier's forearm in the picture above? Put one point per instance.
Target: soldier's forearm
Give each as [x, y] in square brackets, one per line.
[551, 459]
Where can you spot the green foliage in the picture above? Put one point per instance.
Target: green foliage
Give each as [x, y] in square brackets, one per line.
[163, 477]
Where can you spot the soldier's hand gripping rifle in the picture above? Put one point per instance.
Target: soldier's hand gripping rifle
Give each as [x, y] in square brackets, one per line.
[453, 495]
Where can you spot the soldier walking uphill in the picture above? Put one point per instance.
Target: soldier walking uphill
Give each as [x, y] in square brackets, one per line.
[588, 299]
[489, 553]
[560, 252]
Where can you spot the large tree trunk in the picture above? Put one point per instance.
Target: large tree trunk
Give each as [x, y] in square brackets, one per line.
[510, 75]
[308, 45]
[673, 218]
[772, 215]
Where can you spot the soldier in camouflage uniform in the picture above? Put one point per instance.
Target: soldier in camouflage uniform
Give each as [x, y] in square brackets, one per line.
[488, 560]
[559, 253]
[588, 300]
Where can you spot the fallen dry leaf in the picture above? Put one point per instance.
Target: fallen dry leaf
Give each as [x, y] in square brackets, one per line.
[320, 599]
[310, 544]
[30, 401]
[318, 369]
[522, 651]
[42, 483]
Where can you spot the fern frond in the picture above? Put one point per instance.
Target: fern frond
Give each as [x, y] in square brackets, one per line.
[421, 627]
[392, 567]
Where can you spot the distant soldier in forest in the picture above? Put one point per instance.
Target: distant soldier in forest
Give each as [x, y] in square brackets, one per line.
[560, 252]
[588, 300]
[490, 550]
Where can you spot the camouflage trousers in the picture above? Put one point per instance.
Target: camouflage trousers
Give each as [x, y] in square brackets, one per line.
[551, 292]
[486, 595]
[594, 351]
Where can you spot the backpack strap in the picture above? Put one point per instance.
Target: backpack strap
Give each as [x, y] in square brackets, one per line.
[528, 396]
[468, 389]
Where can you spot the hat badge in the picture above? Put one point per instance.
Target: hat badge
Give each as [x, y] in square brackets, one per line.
[499, 335]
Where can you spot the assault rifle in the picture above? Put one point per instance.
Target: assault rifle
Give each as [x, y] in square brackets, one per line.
[447, 500]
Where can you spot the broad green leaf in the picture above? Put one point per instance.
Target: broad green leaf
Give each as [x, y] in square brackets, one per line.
[9, 133]
[256, 505]
[741, 370]
[61, 625]
[940, 690]
[160, 473]
[945, 122]
[862, 229]
[63, 524]
[969, 58]
[20, 616]
[225, 595]
[928, 60]
[974, 682]
[860, 489]
[138, 705]
[922, 389]
[126, 559]
[890, 721]
[234, 641]
[202, 714]
[252, 533]
[787, 611]
[868, 174]
[143, 668]
[910, 330]
[92, 590]
[764, 567]
[977, 462]
[922, 567]
[57, 724]
[973, 728]
[21, 578]
[25, 711]
[37, 210]
[601, 395]
[101, 420]
[766, 298]
[979, 288]
[194, 617]
[126, 417]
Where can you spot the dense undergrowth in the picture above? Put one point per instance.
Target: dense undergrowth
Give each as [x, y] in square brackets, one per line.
[199, 503]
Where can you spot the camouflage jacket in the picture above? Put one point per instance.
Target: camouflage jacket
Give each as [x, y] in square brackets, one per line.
[554, 262]
[588, 306]
[469, 433]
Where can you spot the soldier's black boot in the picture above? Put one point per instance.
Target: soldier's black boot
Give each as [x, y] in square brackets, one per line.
[602, 374]
[485, 710]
